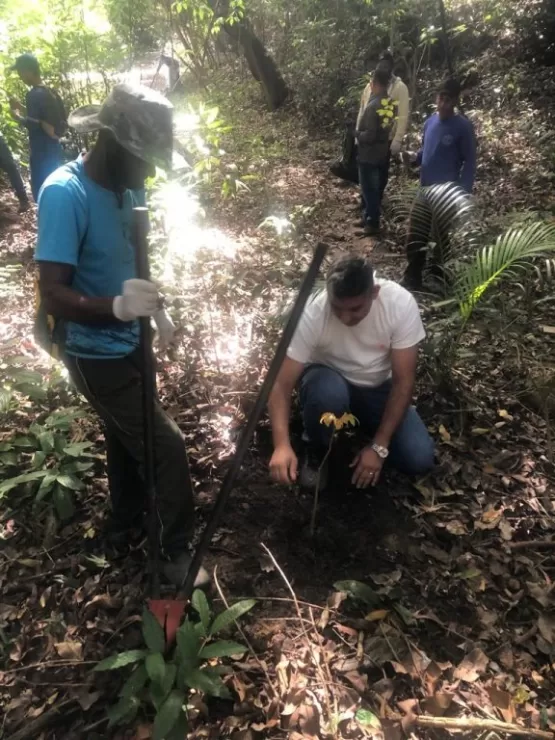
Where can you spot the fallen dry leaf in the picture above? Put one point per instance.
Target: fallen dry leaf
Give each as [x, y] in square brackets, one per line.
[490, 518]
[506, 529]
[500, 699]
[456, 527]
[86, 699]
[377, 615]
[543, 593]
[546, 626]
[471, 668]
[506, 658]
[444, 434]
[70, 650]
[438, 704]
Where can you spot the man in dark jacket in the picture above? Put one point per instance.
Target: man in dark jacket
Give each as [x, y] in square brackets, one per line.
[372, 135]
[42, 116]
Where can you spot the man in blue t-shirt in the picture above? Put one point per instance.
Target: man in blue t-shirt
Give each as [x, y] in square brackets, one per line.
[447, 155]
[88, 280]
[43, 116]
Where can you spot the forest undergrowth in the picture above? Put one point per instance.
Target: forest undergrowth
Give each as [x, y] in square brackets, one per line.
[456, 615]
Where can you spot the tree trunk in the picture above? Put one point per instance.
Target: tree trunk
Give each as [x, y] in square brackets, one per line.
[262, 66]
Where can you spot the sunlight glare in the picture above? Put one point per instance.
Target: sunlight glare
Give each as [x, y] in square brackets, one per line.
[233, 341]
[185, 235]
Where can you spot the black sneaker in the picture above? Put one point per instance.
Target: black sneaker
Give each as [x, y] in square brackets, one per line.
[348, 175]
[370, 230]
[314, 470]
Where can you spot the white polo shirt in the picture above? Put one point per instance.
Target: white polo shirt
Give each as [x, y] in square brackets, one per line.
[361, 353]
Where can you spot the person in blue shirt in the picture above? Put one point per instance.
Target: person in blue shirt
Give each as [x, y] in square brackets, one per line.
[88, 280]
[42, 116]
[447, 155]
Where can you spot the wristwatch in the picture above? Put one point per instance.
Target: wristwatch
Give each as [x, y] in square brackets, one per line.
[382, 452]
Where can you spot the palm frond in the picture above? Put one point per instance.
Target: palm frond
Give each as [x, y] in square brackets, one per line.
[511, 253]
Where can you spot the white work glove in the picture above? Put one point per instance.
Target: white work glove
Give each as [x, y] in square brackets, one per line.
[166, 328]
[139, 298]
[395, 148]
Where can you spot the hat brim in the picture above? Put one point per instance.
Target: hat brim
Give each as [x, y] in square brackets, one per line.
[85, 119]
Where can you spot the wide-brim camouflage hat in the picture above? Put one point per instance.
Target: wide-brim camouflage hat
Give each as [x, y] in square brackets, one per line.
[140, 118]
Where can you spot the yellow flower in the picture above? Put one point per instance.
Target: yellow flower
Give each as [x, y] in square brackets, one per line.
[338, 422]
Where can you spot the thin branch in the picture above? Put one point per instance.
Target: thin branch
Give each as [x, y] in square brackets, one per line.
[318, 667]
[279, 569]
[244, 637]
[532, 544]
[475, 723]
[63, 711]
[49, 664]
[317, 490]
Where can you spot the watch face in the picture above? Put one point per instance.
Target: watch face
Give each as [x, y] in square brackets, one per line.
[383, 452]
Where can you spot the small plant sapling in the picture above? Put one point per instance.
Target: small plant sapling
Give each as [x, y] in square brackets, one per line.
[338, 423]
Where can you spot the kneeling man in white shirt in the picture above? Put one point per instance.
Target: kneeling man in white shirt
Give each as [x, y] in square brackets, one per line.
[355, 351]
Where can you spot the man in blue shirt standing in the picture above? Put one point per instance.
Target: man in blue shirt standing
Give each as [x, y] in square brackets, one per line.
[44, 117]
[88, 281]
[447, 155]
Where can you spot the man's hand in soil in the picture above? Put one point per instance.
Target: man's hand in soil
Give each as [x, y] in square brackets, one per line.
[139, 298]
[368, 466]
[284, 465]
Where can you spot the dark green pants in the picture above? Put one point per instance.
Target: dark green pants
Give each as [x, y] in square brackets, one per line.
[114, 389]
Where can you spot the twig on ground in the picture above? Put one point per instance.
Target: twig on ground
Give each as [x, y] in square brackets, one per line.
[389, 645]
[309, 645]
[283, 598]
[532, 544]
[279, 569]
[48, 664]
[327, 672]
[526, 636]
[94, 726]
[53, 716]
[475, 723]
[244, 637]
[317, 489]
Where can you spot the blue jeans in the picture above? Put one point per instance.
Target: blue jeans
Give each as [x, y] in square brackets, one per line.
[369, 177]
[41, 165]
[373, 180]
[7, 163]
[322, 389]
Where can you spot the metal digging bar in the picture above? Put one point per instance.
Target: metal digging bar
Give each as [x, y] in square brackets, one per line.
[140, 228]
[246, 435]
[170, 611]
